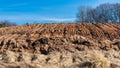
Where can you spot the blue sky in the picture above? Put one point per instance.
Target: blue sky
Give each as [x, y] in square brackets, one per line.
[22, 11]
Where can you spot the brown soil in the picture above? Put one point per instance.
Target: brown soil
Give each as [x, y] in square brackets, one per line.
[47, 38]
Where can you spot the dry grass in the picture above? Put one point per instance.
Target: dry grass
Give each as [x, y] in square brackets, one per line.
[82, 59]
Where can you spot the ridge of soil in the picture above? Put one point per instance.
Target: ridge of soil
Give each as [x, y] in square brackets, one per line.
[45, 38]
[74, 45]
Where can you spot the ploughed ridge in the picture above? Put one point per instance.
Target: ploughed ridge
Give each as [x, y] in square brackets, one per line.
[45, 38]
[73, 45]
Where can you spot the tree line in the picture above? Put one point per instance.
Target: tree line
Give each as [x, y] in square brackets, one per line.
[108, 13]
[6, 24]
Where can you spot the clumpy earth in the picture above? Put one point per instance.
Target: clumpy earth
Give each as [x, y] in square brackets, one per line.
[75, 45]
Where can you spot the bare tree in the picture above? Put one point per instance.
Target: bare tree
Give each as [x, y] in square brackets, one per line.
[117, 11]
[103, 13]
[82, 14]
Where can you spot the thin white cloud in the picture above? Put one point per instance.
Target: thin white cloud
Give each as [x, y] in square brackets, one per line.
[31, 18]
[18, 4]
[59, 19]
[13, 5]
[108, 1]
[45, 8]
[98, 2]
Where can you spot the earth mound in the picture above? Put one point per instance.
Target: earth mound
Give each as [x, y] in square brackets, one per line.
[44, 39]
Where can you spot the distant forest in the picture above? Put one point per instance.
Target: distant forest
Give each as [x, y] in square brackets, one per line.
[6, 24]
[104, 13]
